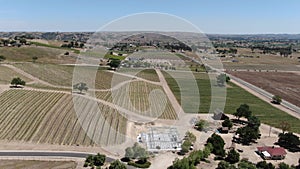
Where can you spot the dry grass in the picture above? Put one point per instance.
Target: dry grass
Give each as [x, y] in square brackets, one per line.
[6, 75]
[32, 164]
[264, 62]
[44, 54]
[62, 75]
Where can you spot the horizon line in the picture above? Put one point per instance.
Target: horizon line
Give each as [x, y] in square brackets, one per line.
[260, 33]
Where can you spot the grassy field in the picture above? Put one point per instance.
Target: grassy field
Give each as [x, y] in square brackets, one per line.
[148, 74]
[203, 83]
[135, 96]
[108, 56]
[62, 75]
[51, 73]
[44, 117]
[260, 61]
[235, 97]
[32, 164]
[44, 54]
[55, 47]
[6, 75]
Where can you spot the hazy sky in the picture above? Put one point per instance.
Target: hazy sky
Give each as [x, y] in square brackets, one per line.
[211, 16]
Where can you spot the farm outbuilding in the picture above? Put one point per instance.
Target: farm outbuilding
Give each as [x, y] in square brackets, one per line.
[272, 153]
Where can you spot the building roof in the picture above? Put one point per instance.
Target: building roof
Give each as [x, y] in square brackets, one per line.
[273, 151]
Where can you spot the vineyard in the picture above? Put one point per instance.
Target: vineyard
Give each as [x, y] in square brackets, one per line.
[134, 96]
[44, 117]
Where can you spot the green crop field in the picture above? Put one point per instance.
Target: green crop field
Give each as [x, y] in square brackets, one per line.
[55, 47]
[49, 117]
[235, 97]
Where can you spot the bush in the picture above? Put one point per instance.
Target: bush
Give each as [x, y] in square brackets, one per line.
[17, 81]
[227, 123]
[218, 145]
[200, 125]
[145, 165]
[117, 165]
[233, 157]
[185, 147]
[97, 160]
[85, 164]
[2, 58]
[289, 141]
[276, 99]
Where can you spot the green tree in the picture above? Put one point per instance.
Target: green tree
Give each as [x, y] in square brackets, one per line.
[81, 87]
[136, 152]
[253, 122]
[117, 165]
[17, 81]
[243, 111]
[289, 141]
[129, 152]
[23, 41]
[2, 58]
[227, 123]
[195, 157]
[276, 99]
[34, 58]
[244, 164]
[114, 63]
[190, 136]
[283, 165]
[185, 147]
[218, 145]
[221, 79]
[182, 164]
[99, 159]
[95, 160]
[225, 165]
[248, 134]
[207, 150]
[81, 45]
[200, 125]
[233, 156]
[264, 165]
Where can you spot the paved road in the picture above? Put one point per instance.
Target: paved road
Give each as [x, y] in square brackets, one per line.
[266, 94]
[48, 154]
[62, 154]
[260, 91]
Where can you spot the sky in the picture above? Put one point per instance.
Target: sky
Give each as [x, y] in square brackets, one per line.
[210, 16]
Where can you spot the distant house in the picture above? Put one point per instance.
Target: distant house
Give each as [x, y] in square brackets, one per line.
[272, 153]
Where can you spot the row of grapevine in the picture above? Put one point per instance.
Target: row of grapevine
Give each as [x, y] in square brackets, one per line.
[135, 97]
[49, 117]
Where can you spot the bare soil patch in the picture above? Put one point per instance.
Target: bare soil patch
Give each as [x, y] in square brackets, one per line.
[284, 84]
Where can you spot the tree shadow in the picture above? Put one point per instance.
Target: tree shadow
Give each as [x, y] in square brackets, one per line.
[16, 87]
